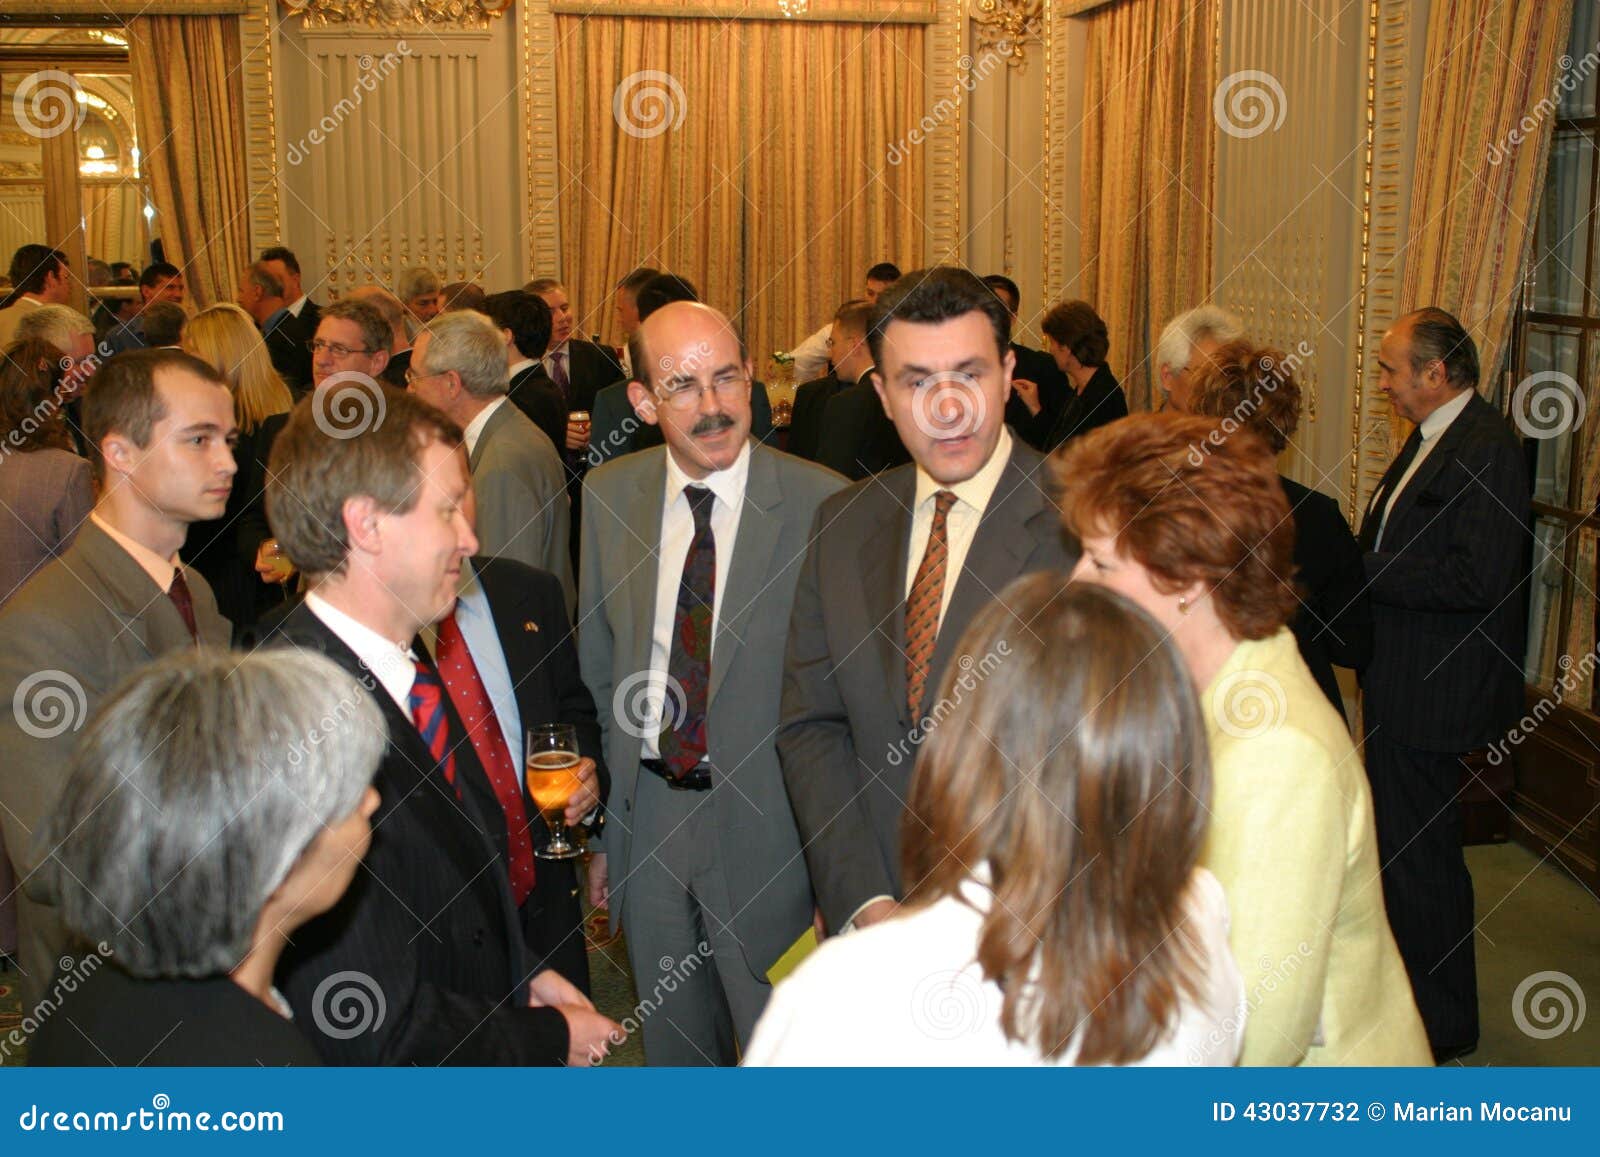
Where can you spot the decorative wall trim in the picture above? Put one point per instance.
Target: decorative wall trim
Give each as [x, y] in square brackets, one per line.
[396, 14]
[541, 165]
[947, 73]
[1008, 26]
[1057, 78]
[261, 121]
[827, 11]
[116, 11]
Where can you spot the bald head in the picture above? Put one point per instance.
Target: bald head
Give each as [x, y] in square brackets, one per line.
[694, 382]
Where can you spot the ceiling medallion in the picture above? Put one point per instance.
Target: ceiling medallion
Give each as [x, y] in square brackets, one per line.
[1007, 27]
[463, 14]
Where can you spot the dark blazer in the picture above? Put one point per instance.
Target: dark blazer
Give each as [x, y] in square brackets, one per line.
[429, 919]
[540, 648]
[1040, 368]
[286, 345]
[311, 315]
[1448, 588]
[858, 439]
[116, 1019]
[805, 425]
[395, 372]
[590, 368]
[1334, 622]
[536, 395]
[224, 549]
[1101, 402]
[843, 738]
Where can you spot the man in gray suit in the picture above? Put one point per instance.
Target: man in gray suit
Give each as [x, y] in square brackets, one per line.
[690, 556]
[158, 423]
[898, 566]
[458, 364]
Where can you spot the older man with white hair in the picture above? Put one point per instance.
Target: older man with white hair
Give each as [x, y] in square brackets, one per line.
[1186, 344]
[458, 365]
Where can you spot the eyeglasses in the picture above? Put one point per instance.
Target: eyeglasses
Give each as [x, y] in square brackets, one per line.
[317, 345]
[412, 377]
[684, 397]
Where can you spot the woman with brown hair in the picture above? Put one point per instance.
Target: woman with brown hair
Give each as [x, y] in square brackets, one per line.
[225, 549]
[1192, 524]
[1055, 818]
[1253, 388]
[1078, 340]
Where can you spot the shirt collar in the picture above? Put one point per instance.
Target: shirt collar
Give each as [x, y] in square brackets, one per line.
[474, 428]
[390, 662]
[298, 304]
[518, 366]
[1437, 422]
[159, 569]
[728, 485]
[975, 491]
[557, 349]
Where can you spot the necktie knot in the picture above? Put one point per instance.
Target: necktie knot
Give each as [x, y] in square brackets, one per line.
[943, 500]
[700, 500]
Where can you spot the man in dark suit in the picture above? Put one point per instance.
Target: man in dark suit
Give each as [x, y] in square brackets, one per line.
[690, 557]
[282, 261]
[158, 423]
[857, 438]
[287, 337]
[1033, 366]
[377, 518]
[811, 398]
[524, 321]
[399, 344]
[1446, 540]
[514, 622]
[897, 567]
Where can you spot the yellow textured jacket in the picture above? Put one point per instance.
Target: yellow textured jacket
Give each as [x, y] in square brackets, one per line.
[1292, 842]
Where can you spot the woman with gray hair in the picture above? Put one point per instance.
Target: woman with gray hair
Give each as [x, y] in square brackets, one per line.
[215, 804]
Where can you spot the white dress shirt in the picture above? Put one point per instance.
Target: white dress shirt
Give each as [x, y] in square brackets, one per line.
[677, 532]
[1432, 426]
[391, 663]
[961, 525]
[811, 356]
[299, 304]
[909, 991]
[518, 366]
[474, 429]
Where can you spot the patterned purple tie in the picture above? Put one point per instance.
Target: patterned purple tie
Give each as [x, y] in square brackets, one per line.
[683, 741]
[558, 374]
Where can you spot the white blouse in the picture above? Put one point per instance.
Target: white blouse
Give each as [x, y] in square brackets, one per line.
[909, 991]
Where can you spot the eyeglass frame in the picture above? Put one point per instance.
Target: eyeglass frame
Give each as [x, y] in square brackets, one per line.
[333, 347]
[673, 399]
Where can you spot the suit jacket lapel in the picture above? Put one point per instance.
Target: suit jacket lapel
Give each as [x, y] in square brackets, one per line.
[642, 554]
[146, 613]
[883, 580]
[1438, 458]
[489, 427]
[750, 570]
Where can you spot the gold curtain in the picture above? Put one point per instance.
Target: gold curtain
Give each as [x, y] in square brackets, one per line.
[1147, 190]
[189, 98]
[1475, 199]
[752, 157]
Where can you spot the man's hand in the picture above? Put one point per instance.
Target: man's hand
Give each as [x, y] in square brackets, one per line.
[550, 988]
[587, 797]
[577, 434]
[1028, 392]
[271, 564]
[874, 912]
[599, 882]
[590, 1036]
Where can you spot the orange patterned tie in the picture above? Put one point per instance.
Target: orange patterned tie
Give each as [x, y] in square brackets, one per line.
[922, 605]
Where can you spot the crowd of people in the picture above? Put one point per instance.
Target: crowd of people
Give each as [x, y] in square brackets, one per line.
[1010, 714]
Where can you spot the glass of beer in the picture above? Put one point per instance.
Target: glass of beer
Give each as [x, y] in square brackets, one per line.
[552, 768]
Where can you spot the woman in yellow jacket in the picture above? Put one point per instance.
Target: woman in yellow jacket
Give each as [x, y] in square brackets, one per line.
[1187, 518]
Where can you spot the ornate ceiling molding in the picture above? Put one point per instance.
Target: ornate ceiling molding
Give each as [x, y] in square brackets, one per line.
[466, 15]
[1008, 27]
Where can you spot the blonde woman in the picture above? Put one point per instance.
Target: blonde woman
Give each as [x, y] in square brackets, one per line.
[227, 549]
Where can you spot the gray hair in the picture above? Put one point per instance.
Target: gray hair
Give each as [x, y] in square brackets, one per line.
[1182, 333]
[416, 281]
[55, 324]
[261, 275]
[467, 342]
[385, 303]
[192, 793]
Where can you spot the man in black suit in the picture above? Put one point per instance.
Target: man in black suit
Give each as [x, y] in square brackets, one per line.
[261, 294]
[855, 436]
[1034, 366]
[1446, 540]
[513, 621]
[811, 398]
[898, 566]
[282, 261]
[524, 321]
[394, 314]
[376, 517]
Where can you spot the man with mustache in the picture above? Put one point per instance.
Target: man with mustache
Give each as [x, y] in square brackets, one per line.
[690, 556]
